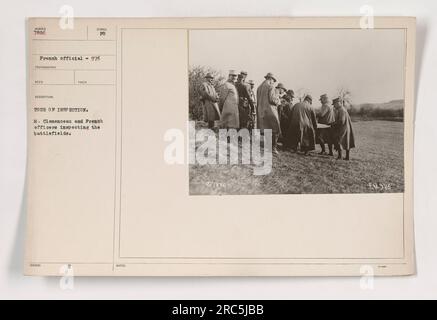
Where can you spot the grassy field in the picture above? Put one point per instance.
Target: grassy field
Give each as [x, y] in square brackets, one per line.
[376, 165]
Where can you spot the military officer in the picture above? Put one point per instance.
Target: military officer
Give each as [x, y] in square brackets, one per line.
[326, 117]
[342, 129]
[228, 101]
[252, 123]
[245, 102]
[210, 98]
[268, 101]
[302, 126]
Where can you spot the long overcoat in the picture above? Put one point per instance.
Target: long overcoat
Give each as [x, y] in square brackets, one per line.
[210, 100]
[229, 105]
[325, 116]
[268, 101]
[342, 130]
[302, 128]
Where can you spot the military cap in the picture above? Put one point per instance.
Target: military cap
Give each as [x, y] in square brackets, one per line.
[270, 75]
[290, 93]
[308, 97]
[209, 75]
[324, 96]
[281, 86]
[336, 100]
[243, 73]
[233, 73]
[250, 82]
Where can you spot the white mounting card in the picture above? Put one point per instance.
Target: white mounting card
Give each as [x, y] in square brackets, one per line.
[133, 124]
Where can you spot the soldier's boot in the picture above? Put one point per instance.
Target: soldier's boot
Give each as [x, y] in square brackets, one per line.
[330, 150]
[339, 155]
[275, 144]
[347, 155]
[322, 145]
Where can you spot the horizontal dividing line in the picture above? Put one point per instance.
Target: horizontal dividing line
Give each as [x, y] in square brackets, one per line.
[215, 263]
[73, 54]
[265, 28]
[269, 263]
[56, 69]
[230, 258]
[72, 40]
[73, 84]
[30, 263]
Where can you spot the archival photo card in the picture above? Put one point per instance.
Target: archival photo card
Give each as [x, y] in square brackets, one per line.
[220, 147]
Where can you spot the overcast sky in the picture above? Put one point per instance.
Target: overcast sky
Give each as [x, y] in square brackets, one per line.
[369, 63]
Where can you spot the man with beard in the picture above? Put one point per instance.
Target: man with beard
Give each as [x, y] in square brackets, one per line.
[325, 117]
[268, 101]
[342, 129]
[228, 100]
[245, 102]
[211, 111]
[302, 126]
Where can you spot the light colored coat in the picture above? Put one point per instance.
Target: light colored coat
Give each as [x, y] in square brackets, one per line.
[253, 97]
[326, 114]
[210, 98]
[342, 130]
[267, 104]
[229, 106]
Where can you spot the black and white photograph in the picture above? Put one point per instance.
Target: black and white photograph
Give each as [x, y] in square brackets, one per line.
[324, 107]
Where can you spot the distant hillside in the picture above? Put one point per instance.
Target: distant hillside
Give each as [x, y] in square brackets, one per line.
[392, 110]
[394, 104]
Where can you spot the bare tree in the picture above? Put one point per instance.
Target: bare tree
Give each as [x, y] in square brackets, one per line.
[301, 93]
[345, 97]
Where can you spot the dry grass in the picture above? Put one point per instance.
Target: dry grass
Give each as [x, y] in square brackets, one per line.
[376, 165]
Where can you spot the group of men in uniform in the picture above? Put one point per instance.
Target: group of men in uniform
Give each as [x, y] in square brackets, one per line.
[297, 126]
[234, 106]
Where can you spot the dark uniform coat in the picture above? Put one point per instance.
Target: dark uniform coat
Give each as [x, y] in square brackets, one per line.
[245, 103]
[302, 127]
[342, 130]
[284, 111]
